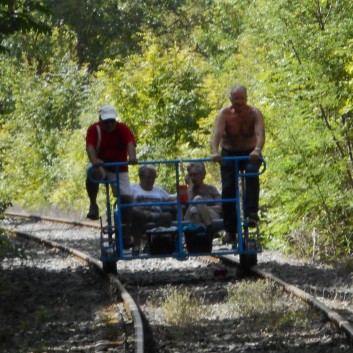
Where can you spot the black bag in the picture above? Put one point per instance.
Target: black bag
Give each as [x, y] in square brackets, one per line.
[197, 238]
[162, 241]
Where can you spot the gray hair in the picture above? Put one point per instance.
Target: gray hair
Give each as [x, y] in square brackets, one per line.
[145, 167]
[237, 88]
[199, 166]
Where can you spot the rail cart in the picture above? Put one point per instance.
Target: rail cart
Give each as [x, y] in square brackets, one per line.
[179, 240]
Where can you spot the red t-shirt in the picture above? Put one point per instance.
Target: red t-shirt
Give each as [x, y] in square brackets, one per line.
[113, 145]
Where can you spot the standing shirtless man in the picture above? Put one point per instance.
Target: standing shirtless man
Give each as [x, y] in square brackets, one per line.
[240, 130]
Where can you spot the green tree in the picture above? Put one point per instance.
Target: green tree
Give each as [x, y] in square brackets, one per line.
[110, 28]
[160, 94]
[298, 57]
[21, 16]
[36, 134]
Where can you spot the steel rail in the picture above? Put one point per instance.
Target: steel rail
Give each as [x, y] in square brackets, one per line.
[333, 315]
[90, 224]
[129, 303]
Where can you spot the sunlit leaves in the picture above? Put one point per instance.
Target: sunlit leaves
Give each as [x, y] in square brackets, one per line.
[22, 16]
[158, 93]
[47, 109]
[167, 66]
[304, 77]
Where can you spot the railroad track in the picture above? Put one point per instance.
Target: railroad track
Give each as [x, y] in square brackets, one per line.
[115, 284]
[148, 288]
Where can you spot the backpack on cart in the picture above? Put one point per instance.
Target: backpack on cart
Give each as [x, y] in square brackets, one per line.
[197, 238]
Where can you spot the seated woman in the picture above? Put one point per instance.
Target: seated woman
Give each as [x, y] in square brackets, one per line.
[202, 213]
[147, 192]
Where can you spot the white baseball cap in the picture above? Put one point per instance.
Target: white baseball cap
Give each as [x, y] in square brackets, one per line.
[107, 112]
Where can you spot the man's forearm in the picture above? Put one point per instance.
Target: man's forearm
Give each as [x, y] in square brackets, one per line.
[91, 153]
[215, 144]
[131, 151]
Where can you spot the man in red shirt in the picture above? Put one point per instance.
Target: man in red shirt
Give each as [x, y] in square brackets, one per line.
[109, 141]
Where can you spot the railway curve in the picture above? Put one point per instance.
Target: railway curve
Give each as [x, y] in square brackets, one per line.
[340, 343]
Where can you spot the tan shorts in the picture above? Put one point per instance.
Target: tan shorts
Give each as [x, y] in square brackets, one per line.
[124, 181]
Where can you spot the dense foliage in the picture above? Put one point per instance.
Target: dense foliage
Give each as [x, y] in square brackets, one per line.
[167, 66]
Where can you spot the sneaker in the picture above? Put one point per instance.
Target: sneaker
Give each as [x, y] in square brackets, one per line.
[93, 212]
[135, 250]
[146, 249]
[128, 244]
[229, 238]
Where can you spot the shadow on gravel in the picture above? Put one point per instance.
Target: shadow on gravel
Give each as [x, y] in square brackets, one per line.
[251, 334]
[47, 304]
[324, 282]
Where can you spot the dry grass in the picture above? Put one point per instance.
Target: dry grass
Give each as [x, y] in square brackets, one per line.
[263, 302]
[180, 308]
[267, 303]
[252, 297]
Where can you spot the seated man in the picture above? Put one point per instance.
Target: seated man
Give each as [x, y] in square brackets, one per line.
[147, 192]
[202, 213]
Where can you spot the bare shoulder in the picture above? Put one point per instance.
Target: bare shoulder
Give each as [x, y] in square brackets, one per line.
[224, 112]
[257, 113]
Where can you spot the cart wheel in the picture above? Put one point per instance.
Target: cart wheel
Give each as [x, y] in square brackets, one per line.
[248, 260]
[110, 267]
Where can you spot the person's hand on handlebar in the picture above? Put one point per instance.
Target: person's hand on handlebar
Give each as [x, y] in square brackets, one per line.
[96, 163]
[255, 154]
[133, 160]
[216, 157]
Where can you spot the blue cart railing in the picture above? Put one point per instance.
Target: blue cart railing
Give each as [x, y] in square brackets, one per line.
[172, 239]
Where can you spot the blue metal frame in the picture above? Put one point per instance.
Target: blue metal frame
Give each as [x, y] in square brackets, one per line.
[115, 227]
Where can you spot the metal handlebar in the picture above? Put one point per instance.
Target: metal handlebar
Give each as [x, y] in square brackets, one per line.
[117, 166]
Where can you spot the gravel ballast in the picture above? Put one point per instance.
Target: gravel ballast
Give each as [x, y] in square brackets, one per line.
[51, 303]
[329, 283]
